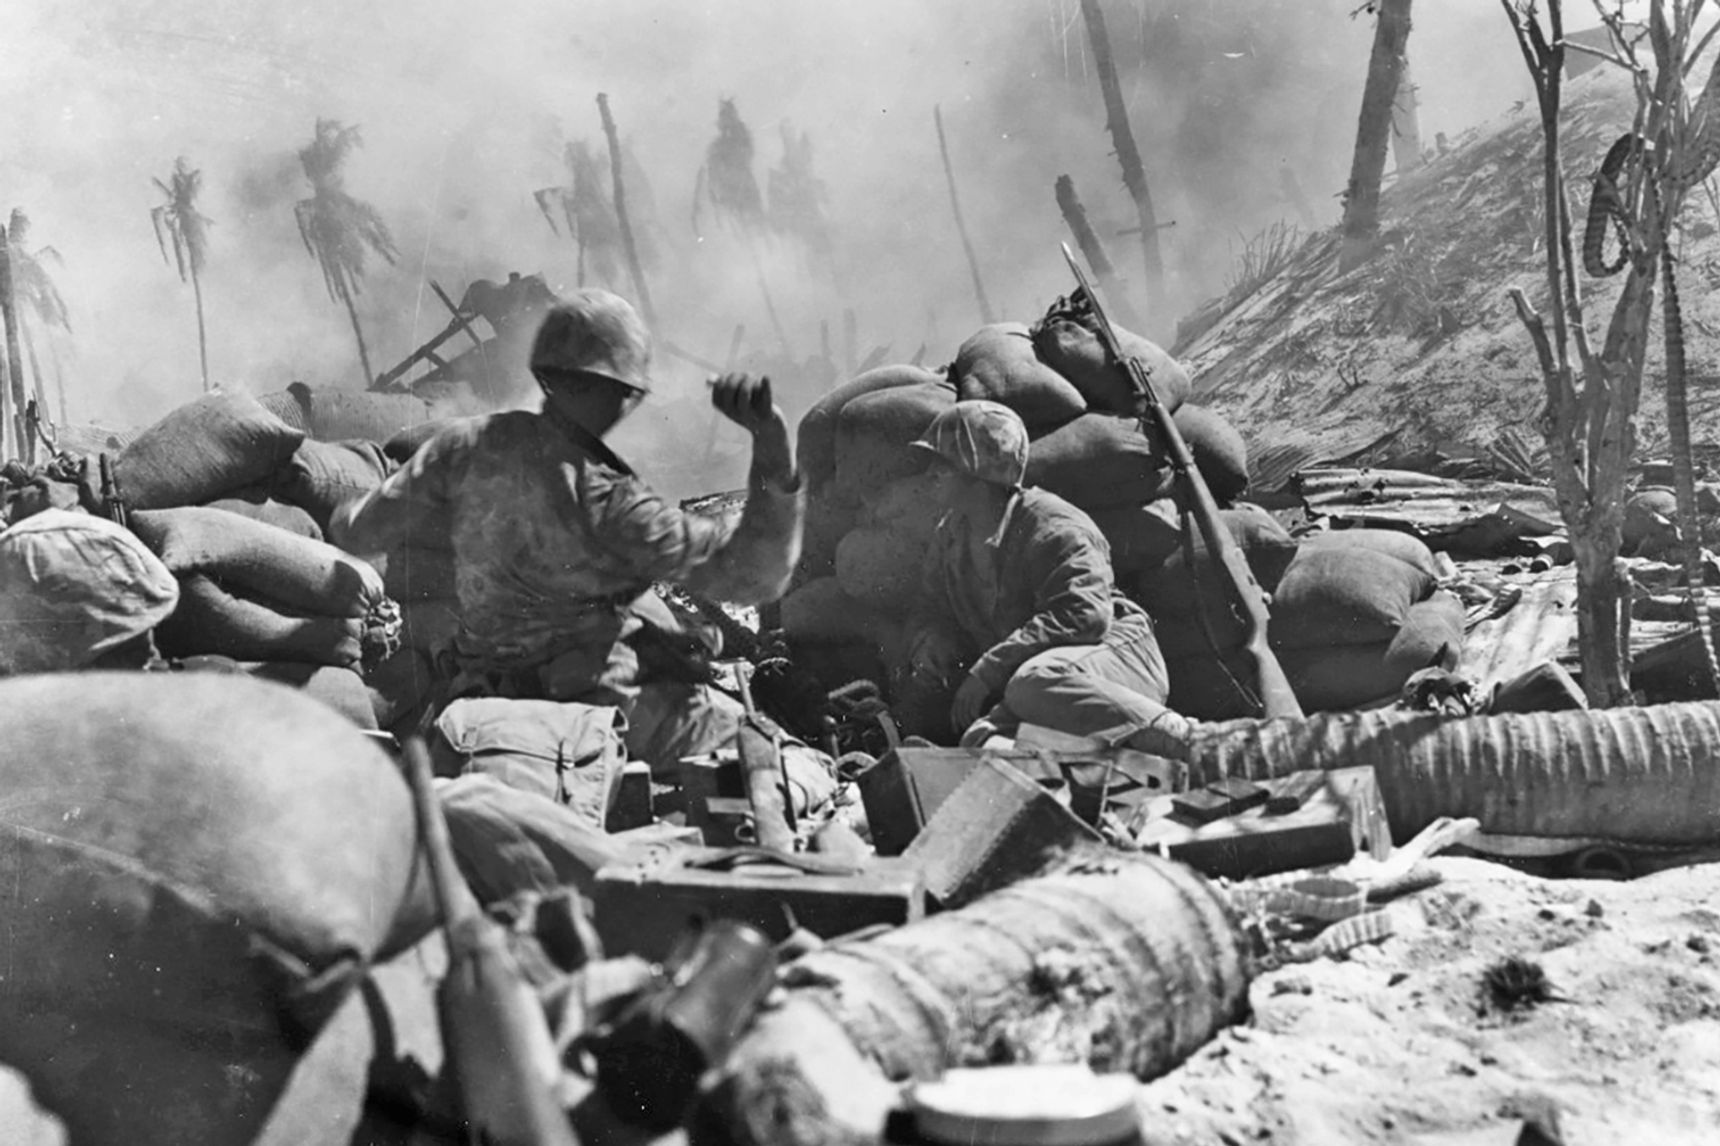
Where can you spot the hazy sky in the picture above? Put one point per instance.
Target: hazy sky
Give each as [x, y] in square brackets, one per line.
[465, 109]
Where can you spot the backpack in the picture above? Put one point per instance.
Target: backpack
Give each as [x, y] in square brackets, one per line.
[567, 752]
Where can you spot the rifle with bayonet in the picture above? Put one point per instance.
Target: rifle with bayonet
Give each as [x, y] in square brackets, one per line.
[1275, 695]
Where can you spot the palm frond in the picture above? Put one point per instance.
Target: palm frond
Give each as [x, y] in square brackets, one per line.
[730, 184]
[181, 220]
[544, 198]
[30, 279]
[158, 220]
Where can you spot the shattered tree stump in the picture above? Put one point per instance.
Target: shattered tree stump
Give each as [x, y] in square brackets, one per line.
[1119, 960]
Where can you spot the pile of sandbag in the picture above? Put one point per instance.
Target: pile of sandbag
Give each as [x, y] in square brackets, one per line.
[232, 452]
[219, 446]
[255, 593]
[1354, 613]
[200, 868]
[870, 515]
[333, 413]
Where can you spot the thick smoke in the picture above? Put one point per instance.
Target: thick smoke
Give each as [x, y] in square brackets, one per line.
[467, 110]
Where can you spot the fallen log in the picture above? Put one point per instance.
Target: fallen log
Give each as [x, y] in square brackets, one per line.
[1637, 775]
[1119, 960]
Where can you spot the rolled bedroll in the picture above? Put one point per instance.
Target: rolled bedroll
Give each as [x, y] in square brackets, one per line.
[1647, 776]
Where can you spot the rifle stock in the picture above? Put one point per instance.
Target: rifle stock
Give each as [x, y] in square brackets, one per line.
[498, 1042]
[1276, 696]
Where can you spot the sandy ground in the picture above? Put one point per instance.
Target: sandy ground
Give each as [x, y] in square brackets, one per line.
[1396, 1043]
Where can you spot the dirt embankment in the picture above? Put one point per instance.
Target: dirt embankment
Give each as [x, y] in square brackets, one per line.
[1420, 347]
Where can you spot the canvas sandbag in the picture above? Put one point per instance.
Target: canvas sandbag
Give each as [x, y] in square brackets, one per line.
[570, 753]
[341, 689]
[211, 621]
[1336, 677]
[1176, 601]
[998, 363]
[73, 587]
[815, 437]
[335, 413]
[199, 867]
[1142, 537]
[1351, 676]
[256, 560]
[874, 433]
[271, 512]
[1344, 596]
[879, 566]
[400, 448]
[830, 514]
[204, 450]
[822, 611]
[1099, 461]
[1650, 519]
[1403, 546]
[1219, 452]
[508, 840]
[1075, 352]
[1431, 636]
[322, 476]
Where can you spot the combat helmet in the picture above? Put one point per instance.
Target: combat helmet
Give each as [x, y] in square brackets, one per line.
[593, 332]
[985, 440]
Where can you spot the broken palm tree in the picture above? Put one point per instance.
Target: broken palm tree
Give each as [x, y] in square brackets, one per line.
[1591, 433]
[795, 199]
[1373, 131]
[1075, 215]
[23, 440]
[629, 247]
[1122, 961]
[587, 212]
[339, 231]
[180, 220]
[727, 183]
[1128, 154]
[985, 311]
[36, 299]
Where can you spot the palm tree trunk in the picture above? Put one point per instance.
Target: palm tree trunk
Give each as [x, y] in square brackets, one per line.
[357, 331]
[985, 314]
[1128, 155]
[1373, 133]
[202, 337]
[35, 367]
[22, 442]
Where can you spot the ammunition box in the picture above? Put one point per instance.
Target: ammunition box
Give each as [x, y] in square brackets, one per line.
[998, 826]
[907, 786]
[1337, 813]
[643, 909]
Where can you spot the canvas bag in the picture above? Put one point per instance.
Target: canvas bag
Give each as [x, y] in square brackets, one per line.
[567, 752]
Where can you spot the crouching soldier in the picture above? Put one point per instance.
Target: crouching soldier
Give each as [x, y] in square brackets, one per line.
[1022, 619]
[556, 543]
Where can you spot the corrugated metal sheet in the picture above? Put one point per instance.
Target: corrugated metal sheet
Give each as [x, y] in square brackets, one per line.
[1467, 516]
[1272, 466]
[1541, 626]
